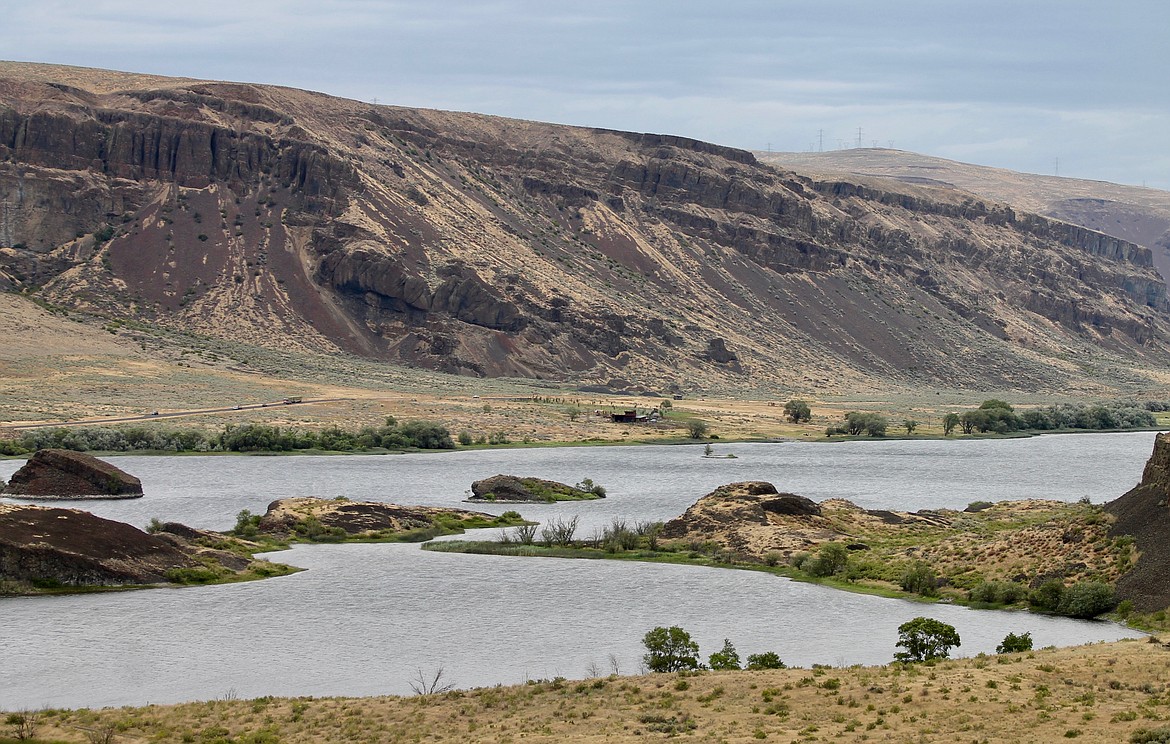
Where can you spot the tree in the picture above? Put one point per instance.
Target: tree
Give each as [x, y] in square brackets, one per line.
[950, 421]
[920, 579]
[1014, 644]
[696, 429]
[766, 660]
[670, 649]
[910, 425]
[832, 559]
[797, 411]
[925, 638]
[726, 658]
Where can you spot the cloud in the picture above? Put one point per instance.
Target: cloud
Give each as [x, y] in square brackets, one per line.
[1006, 81]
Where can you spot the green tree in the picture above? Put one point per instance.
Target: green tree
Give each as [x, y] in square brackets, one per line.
[696, 429]
[950, 421]
[765, 660]
[670, 649]
[726, 658]
[797, 411]
[832, 559]
[1014, 644]
[910, 425]
[925, 638]
[920, 579]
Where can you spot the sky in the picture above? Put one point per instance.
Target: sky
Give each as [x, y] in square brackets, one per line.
[1068, 87]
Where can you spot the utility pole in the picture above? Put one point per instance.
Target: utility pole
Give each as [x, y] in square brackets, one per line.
[821, 140]
[859, 136]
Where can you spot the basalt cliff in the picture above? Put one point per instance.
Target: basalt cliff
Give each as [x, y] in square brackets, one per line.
[494, 247]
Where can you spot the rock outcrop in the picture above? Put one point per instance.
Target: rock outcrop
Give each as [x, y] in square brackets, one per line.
[50, 547]
[752, 519]
[64, 474]
[324, 519]
[511, 489]
[1143, 512]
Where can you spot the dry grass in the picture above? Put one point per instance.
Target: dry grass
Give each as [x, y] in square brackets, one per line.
[1097, 693]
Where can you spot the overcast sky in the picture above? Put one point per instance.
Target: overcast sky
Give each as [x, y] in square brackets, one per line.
[1082, 86]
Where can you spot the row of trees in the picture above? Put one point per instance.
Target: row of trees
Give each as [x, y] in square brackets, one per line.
[672, 650]
[998, 416]
[234, 438]
[923, 639]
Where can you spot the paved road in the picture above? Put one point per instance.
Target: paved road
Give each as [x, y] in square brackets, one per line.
[172, 414]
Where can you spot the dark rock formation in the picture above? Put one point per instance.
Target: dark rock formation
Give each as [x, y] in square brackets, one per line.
[66, 547]
[1144, 513]
[63, 474]
[510, 489]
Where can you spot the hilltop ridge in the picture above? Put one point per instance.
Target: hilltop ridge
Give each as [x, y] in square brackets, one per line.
[484, 246]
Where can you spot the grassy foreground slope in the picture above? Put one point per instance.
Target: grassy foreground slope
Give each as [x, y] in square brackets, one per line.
[1100, 693]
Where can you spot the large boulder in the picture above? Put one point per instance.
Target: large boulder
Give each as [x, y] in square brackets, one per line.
[1144, 513]
[68, 547]
[63, 474]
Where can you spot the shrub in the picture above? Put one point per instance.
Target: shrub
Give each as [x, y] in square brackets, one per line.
[832, 559]
[998, 592]
[247, 524]
[1014, 644]
[696, 429]
[1087, 599]
[920, 579]
[765, 660]
[1047, 596]
[465, 438]
[559, 532]
[725, 658]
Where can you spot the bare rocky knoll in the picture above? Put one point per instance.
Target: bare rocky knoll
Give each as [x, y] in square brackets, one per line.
[63, 474]
[494, 247]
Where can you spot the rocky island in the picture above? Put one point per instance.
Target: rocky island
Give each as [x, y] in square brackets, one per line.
[53, 474]
[510, 489]
[335, 520]
[54, 549]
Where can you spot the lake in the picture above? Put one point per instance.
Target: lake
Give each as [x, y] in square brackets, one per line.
[365, 619]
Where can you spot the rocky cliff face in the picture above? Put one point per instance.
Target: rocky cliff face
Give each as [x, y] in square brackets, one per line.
[62, 474]
[486, 246]
[1143, 512]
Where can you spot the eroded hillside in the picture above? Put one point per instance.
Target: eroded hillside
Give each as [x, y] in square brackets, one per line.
[494, 247]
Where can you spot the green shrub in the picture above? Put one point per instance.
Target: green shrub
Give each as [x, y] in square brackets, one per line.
[920, 579]
[765, 660]
[998, 592]
[1087, 599]
[1013, 644]
[1047, 596]
[725, 658]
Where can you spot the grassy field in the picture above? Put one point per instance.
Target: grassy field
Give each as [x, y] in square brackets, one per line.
[1109, 692]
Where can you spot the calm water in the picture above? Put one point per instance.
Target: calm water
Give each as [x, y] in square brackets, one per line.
[365, 618]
